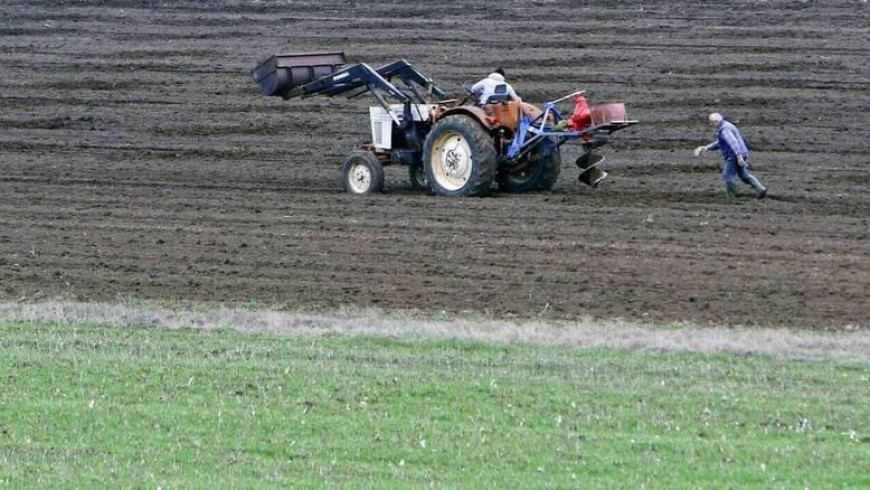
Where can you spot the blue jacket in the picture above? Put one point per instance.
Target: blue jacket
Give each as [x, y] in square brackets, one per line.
[730, 142]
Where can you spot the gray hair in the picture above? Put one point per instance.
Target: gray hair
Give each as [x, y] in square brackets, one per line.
[716, 117]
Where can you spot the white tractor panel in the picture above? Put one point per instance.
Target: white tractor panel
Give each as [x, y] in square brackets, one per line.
[382, 122]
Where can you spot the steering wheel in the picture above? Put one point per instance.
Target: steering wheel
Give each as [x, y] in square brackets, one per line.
[468, 95]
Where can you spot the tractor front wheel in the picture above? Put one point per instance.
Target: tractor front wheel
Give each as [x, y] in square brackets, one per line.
[417, 174]
[362, 174]
[459, 157]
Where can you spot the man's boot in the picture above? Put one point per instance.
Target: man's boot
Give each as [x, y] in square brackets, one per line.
[760, 190]
[731, 190]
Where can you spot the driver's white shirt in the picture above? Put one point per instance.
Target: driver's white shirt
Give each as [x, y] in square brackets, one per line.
[486, 87]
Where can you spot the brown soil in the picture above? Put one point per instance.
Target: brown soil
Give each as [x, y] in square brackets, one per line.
[138, 160]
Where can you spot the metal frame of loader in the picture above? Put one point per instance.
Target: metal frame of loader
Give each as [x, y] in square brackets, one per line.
[365, 79]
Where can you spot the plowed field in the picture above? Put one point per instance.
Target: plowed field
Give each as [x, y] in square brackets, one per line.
[138, 160]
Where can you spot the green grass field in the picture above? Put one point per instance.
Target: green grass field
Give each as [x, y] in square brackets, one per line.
[146, 407]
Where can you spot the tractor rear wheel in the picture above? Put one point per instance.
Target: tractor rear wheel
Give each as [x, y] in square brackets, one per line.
[362, 174]
[544, 164]
[459, 157]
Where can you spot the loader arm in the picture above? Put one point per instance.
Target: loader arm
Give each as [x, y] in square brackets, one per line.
[412, 79]
[346, 79]
[362, 78]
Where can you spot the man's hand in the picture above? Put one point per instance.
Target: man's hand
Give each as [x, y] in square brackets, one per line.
[699, 150]
[740, 161]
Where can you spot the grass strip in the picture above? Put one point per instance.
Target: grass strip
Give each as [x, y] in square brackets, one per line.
[99, 405]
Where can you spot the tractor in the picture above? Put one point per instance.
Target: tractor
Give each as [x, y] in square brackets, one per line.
[451, 146]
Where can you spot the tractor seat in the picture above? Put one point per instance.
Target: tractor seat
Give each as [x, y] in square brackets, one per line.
[500, 94]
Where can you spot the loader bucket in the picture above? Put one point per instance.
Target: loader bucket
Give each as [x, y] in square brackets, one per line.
[280, 73]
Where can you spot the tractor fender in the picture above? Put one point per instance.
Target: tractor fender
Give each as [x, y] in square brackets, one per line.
[471, 111]
[492, 121]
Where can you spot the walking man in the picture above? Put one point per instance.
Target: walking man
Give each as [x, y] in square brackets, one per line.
[735, 156]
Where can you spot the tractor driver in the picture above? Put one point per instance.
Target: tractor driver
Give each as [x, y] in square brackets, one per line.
[493, 88]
